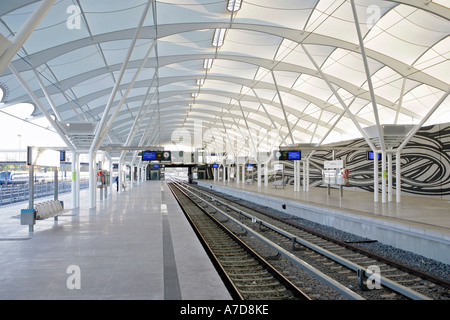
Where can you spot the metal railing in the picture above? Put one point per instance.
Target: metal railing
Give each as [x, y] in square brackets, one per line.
[12, 193]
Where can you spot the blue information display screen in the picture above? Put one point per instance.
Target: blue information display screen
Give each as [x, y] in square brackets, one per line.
[156, 156]
[215, 165]
[294, 155]
[290, 155]
[148, 155]
[370, 155]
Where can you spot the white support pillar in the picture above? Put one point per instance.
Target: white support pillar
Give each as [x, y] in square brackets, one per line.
[75, 177]
[398, 178]
[307, 175]
[299, 175]
[296, 181]
[259, 175]
[120, 175]
[111, 184]
[383, 177]
[243, 173]
[77, 185]
[304, 175]
[375, 176]
[389, 190]
[266, 175]
[92, 179]
[238, 171]
[295, 175]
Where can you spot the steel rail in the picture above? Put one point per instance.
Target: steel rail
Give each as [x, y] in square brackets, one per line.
[230, 282]
[346, 292]
[351, 265]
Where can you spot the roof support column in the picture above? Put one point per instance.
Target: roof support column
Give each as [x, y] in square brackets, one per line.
[49, 99]
[398, 179]
[24, 33]
[337, 95]
[229, 140]
[75, 179]
[100, 129]
[267, 114]
[41, 107]
[369, 78]
[242, 145]
[248, 130]
[424, 119]
[122, 101]
[375, 176]
[141, 142]
[138, 120]
[120, 176]
[282, 107]
[400, 100]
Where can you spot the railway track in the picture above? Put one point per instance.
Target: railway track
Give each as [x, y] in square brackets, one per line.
[369, 276]
[248, 275]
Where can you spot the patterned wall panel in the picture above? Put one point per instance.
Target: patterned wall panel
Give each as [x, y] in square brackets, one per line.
[425, 163]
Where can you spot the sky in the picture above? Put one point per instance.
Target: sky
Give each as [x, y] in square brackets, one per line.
[16, 133]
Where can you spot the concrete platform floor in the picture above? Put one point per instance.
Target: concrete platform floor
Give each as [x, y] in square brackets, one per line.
[136, 245]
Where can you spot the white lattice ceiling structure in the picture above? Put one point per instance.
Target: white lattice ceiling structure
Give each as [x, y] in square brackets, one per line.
[296, 68]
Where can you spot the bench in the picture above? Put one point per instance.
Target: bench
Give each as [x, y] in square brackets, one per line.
[48, 209]
[249, 180]
[43, 210]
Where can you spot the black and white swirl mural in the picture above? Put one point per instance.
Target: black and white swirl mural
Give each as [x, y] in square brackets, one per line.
[425, 163]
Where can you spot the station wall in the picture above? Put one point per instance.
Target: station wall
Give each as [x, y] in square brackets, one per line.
[425, 163]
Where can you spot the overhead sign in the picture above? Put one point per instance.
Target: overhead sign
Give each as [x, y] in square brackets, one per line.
[333, 164]
[278, 166]
[289, 155]
[37, 156]
[156, 156]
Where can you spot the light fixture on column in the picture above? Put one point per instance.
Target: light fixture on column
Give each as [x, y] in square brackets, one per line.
[207, 63]
[219, 37]
[234, 5]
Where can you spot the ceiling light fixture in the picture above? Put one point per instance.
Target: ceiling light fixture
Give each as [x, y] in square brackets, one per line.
[219, 37]
[207, 64]
[194, 95]
[234, 5]
[200, 82]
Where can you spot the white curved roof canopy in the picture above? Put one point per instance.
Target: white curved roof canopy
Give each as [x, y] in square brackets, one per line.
[270, 74]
